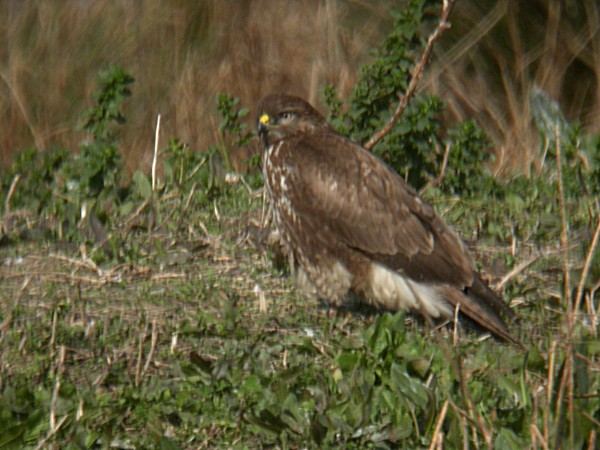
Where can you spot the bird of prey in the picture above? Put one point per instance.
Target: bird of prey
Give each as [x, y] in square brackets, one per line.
[350, 223]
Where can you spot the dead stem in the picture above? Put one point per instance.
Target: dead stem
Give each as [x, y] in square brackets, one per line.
[437, 439]
[412, 85]
[549, 390]
[586, 267]
[437, 180]
[567, 380]
[11, 191]
[153, 340]
[516, 271]
[155, 157]
[54, 427]
[138, 368]
[535, 433]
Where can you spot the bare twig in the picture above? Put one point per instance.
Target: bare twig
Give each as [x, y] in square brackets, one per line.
[197, 168]
[155, 158]
[437, 180]
[564, 232]
[54, 427]
[189, 197]
[472, 408]
[591, 309]
[455, 329]
[467, 422]
[412, 85]
[538, 436]
[174, 339]
[586, 267]
[43, 442]
[217, 215]
[549, 390]
[516, 271]
[592, 439]
[138, 367]
[566, 382]
[54, 323]
[472, 414]
[262, 304]
[438, 438]
[153, 340]
[450, 57]
[138, 212]
[85, 263]
[11, 191]
[595, 422]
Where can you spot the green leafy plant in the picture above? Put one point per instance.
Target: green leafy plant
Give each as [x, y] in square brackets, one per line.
[113, 90]
[234, 132]
[232, 116]
[37, 173]
[183, 166]
[60, 184]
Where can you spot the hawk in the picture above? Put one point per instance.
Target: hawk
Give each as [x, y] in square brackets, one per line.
[351, 224]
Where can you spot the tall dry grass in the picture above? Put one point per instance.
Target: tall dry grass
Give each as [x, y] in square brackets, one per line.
[183, 52]
[497, 52]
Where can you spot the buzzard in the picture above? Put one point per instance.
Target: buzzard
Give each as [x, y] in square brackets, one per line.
[349, 223]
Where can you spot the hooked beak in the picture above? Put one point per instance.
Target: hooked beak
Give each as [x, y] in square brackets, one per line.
[263, 128]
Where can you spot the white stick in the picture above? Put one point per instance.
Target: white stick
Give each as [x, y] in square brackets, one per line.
[155, 154]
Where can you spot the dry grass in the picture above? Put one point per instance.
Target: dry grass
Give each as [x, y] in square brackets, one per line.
[498, 52]
[183, 53]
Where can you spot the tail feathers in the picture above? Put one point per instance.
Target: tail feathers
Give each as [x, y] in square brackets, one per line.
[481, 312]
[482, 291]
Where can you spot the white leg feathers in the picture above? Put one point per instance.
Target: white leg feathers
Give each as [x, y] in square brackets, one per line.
[393, 291]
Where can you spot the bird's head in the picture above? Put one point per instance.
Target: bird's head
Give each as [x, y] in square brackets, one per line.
[281, 116]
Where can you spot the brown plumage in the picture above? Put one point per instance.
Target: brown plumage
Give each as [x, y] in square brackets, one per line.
[350, 223]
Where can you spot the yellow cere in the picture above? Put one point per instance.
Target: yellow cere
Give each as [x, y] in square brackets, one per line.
[264, 119]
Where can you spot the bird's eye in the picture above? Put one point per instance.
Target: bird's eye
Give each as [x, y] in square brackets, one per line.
[286, 116]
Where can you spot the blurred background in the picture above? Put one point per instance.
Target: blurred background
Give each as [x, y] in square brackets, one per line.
[182, 53]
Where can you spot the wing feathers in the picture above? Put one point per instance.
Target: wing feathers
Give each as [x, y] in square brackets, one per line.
[371, 209]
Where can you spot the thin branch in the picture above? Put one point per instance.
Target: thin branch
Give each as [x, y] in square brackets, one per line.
[564, 231]
[437, 180]
[567, 381]
[152, 348]
[52, 432]
[538, 436]
[138, 367]
[155, 158]
[438, 437]
[586, 267]
[54, 427]
[11, 191]
[592, 438]
[412, 85]
[516, 271]
[549, 390]
[472, 414]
